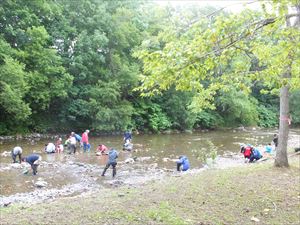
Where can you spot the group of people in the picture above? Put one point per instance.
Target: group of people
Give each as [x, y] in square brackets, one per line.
[70, 143]
[252, 154]
[83, 141]
[32, 159]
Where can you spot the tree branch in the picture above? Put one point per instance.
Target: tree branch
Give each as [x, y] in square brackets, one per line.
[261, 23]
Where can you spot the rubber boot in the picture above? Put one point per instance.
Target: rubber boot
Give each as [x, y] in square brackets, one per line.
[114, 171]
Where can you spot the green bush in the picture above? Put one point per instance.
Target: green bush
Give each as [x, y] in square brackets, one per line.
[237, 108]
[295, 107]
[267, 116]
[208, 119]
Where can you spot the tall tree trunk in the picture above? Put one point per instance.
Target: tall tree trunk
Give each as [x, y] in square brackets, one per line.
[281, 159]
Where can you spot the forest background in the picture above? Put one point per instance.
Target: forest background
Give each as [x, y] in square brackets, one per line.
[72, 65]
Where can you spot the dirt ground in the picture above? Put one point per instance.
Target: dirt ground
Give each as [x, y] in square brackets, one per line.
[248, 194]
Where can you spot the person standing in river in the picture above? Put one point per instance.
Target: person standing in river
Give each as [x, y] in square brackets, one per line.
[17, 151]
[112, 161]
[275, 140]
[33, 160]
[71, 143]
[85, 141]
[127, 137]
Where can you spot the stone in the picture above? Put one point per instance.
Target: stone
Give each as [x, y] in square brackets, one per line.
[16, 165]
[144, 158]
[129, 160]
[5, 154]
[41, 184]
[254, 219]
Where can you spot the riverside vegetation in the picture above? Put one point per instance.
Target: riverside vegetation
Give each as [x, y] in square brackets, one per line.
[66, 66]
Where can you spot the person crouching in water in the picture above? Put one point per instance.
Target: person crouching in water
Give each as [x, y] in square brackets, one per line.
[183, 163]
[247, 151]
[33, 160]
[58, 146]
[49, 148]
[17, 151]
[102, 149]
[112, 161]
[256, 155]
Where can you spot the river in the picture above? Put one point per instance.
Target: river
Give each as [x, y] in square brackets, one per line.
[155, 154]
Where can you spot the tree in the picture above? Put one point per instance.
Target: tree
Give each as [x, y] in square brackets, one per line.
[14, 110]
[217, 54]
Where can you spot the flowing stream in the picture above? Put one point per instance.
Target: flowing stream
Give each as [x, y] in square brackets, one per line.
[155, 155]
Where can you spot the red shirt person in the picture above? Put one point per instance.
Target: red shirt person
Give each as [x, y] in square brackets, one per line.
[85, 141]
[102, 148]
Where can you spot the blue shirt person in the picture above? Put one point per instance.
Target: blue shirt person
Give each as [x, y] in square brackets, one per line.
[183, 163]
[112, 161]
[33, 160]
[268, 148]
[127, 137]
[256, 155]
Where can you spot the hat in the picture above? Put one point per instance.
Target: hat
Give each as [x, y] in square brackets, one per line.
[88, 131]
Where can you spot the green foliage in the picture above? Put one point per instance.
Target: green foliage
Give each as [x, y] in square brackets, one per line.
[236, 50]
[209, 119]
[158, 120]
[205, 154]
[14, 110]
[238, 108]
[150, 116]
[295, 107]
[175, 104]
[268, 117]
[66, 65]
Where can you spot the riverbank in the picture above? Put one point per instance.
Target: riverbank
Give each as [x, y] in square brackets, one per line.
[248, 194]
[38, 136]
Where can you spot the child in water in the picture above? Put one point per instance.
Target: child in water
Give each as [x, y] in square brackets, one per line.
[102, 149]
[268, 148]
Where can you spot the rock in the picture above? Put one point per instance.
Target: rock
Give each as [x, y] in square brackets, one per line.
[129, 160]
[6, 204]
[241, 128]
[115, 183]
[41, 184]
[25, 171]
[153, 166]
[143, 158]
[254, 219]
[16, 166]
[80, 164]
[5, 154]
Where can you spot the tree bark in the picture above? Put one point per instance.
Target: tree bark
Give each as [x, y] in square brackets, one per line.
[281, 159]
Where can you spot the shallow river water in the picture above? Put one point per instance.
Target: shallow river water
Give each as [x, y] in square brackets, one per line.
[155, 154]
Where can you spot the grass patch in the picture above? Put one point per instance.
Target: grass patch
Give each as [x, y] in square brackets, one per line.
[165, 215]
